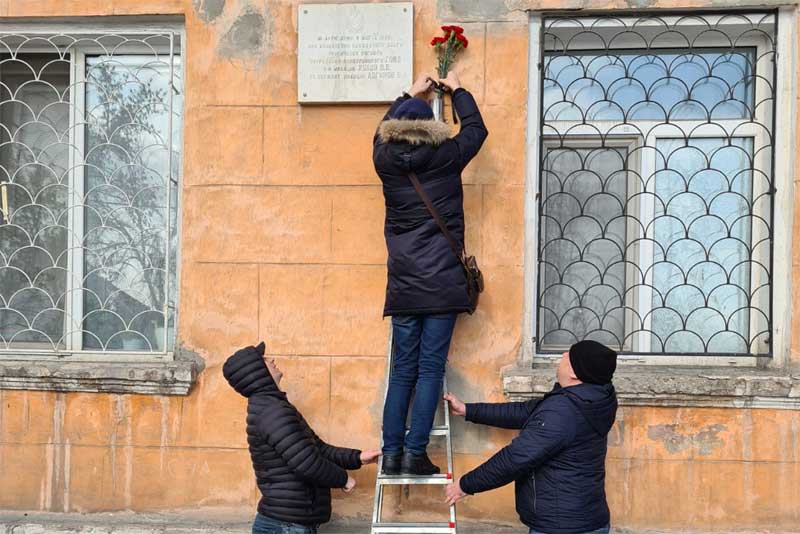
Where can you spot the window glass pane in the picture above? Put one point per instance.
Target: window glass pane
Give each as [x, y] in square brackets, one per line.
[692, 98]
[702, 261]
[583, 242]
[630, 85]
[126, 201]
[34, 185]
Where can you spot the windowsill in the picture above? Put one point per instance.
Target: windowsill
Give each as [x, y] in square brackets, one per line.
[677, 386]
[143, 378]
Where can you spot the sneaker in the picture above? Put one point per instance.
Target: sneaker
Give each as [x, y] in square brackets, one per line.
[418, 464]
[391, 464]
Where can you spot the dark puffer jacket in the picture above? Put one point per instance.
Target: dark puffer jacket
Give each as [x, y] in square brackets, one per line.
[425, 276]
[294, 468]
[558, 459]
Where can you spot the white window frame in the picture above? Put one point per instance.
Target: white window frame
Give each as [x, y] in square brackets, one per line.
[74, 304]
[782, 180]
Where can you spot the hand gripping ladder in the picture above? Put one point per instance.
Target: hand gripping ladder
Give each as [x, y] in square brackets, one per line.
[381, 527]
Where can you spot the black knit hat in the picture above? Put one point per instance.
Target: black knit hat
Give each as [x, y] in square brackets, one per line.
[414, 109]
[592, 362]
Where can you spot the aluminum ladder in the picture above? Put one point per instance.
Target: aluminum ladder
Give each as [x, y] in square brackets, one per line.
[382, 481]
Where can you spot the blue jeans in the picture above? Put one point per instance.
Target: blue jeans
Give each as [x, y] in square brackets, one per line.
[420, 344]
[267, 525]
[605, 530]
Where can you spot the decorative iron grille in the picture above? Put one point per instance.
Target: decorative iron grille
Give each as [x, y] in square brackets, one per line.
[90, 127]
[656, 186]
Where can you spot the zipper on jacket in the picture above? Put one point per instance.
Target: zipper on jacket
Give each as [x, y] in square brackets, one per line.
[533, 478]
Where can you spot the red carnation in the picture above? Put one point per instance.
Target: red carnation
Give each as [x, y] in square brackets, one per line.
[448, 46]
[456, 29]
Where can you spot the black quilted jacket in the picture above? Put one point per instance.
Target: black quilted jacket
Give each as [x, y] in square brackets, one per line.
[294, 468]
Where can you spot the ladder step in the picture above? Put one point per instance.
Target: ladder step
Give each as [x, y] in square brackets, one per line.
[420, 528]
[436, 430]
[406, 480]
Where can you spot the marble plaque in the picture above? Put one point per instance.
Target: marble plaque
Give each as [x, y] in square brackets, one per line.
[354, 52]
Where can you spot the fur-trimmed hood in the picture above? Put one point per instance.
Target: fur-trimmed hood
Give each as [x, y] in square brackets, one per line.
[415, 132]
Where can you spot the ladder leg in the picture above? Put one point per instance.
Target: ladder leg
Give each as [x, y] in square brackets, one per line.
[449, 445]
[377, 505]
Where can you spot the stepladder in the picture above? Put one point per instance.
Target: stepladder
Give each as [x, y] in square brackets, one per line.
[441, 429]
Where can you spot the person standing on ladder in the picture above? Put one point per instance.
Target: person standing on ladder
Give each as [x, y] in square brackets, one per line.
[427, 286]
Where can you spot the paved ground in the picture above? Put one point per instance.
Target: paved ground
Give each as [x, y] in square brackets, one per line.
[203, 523]
[232, 523]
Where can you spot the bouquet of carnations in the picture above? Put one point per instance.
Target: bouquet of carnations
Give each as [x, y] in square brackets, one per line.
[447, 46]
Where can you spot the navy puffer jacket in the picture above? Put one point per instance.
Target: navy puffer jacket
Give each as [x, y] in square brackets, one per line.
[425, 276]
[558, 459]
[294, 468]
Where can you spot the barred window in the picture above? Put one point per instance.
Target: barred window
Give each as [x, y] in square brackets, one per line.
[656, 184]
[90, 127]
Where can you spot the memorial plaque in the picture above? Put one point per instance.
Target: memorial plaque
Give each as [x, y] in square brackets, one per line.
[354, 52]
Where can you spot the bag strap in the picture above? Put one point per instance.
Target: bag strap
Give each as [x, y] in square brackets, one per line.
[457, 250]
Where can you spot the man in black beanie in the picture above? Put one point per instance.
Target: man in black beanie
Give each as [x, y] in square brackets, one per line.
[558, 458]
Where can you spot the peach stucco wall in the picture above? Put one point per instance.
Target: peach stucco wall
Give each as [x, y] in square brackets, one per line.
[282, 241]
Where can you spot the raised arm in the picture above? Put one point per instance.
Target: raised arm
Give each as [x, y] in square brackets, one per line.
[473, 131]
[283, 430]
[502, 415]
[542, 438]
[345, 458]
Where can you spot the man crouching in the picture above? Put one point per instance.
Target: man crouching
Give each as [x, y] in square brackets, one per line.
[558, 458]
[294, 468]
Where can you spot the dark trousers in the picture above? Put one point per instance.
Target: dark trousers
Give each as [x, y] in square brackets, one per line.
[603, 530]
[267, 525]
[420, 344]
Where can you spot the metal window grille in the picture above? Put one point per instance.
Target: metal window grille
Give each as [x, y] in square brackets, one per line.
[656, 183]
[90, 127]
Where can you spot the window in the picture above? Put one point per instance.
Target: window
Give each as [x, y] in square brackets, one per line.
[656, 184]
[90, 126]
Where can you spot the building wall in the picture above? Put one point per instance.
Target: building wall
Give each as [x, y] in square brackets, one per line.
[282, 241]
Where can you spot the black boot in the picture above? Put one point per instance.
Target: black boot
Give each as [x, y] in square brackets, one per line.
[391, 464]
[418, 464]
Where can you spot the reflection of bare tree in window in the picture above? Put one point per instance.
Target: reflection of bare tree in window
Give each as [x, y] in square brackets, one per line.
[87, 196]
[126, 177]
[34, 144]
